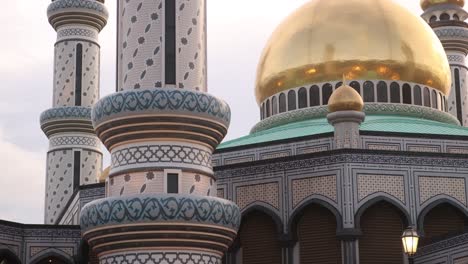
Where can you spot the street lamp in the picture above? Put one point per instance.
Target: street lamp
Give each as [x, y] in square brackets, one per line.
[410, 239]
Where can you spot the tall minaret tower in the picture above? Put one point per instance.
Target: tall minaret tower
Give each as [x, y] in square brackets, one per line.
[447, 18]
[161, 128]
[74, 157]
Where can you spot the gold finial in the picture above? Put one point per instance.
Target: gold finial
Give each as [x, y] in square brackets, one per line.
[345, 98]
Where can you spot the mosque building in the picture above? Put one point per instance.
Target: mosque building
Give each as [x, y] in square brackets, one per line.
[363, 132]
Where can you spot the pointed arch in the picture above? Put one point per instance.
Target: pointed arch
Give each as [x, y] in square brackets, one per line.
[299, 211]
[428, 208]
[375, 200]
[274, 216]
[6, 253]
[52, 252]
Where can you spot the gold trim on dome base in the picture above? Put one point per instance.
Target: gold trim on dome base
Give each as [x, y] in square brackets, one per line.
[365, 39]
[425, 4]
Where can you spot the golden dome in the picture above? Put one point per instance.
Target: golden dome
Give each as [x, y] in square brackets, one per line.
[425, 4]
[365, 39]
[345, 98]
[103, 175]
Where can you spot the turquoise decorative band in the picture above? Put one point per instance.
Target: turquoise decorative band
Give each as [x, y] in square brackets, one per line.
[160, 208]
[63, 113]
[369, 108]
[161, 101]
[86, 4]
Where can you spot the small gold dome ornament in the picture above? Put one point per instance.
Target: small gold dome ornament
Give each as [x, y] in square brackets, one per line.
[425, 4]
[103, 175]
[345, 98]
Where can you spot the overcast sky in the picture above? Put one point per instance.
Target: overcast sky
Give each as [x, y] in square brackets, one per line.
[237, 32]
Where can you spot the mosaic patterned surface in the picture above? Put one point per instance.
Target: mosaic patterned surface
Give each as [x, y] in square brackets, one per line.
[186, 257]
[154, 208]
[432, 186]
[390, 184]
[304, 188]
[267, 193]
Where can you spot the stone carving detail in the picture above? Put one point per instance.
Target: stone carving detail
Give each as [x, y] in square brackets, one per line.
[306, 187]
[83, 32]
[267, 193]
[432, 186]
[74, 140]
[456, 58]
[174, 100]
[160, 208]
[161, 153]
[451, 32]
[390, 184]
[66, 113]
[86, 4]
[161, 257]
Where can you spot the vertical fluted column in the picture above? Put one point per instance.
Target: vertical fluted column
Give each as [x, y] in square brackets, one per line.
[161, 129]
[74, 157]
[448, 22]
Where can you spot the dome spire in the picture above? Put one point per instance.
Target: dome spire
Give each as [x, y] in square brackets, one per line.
[345, 98]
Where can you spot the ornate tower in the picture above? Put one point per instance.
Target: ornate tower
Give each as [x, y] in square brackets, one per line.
[161, 128]
[447, 18]
[74, 156]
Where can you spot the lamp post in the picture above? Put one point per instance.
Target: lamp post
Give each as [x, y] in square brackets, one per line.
[410, 239]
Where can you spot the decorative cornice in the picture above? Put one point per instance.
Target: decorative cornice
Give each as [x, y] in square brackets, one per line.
[369, 108]
[155, 208]
[443, 245]
[66, 119]
[87, 12]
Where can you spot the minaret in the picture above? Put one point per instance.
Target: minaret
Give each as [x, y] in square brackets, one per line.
[161, 129]
[74, 157]
[447, 19]
[346, 115]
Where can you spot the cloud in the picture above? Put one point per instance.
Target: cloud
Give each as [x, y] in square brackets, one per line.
[22, 183]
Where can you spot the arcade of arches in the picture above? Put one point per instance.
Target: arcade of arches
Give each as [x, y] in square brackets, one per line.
[315, 235]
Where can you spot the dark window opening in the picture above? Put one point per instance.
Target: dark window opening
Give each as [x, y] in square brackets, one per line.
[382, 92]
[356, 86]
[172, 183]
[291, 100]
[417, 95]
[79, 73]
[170, 41]
[395, 93]
[302, 97]
[427, 97]
[369, 94]
[282, 103]
[407, 94]
[434, 99]
[338, 84]
[314, 96]
[458, 95]
[76, 169]
[444, 17]
[261, 111]
[268, 108]
[456, 17]
[327, 90]
[433, 19]
[274, 105]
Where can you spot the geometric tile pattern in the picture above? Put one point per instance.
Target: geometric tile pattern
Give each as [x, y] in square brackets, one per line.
[166, 257]
[433, 186]
[390, 184]
[267, 193]
[91, 165]
[321, 185]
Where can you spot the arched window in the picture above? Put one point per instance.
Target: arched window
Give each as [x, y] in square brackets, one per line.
[302, 97]
[274, 105]
[444, 17]
[395, 93]
[456, 17]
[427, 97]
[369, 94]
[292, 100]
[282, 103]
[407, 94]
[268, 113]
[382, 93]
[338, 84]
[417, 95]
[356, 86]
[327, 90]
[434, 100]
[433, 19]
[262, 110]
[314, 96]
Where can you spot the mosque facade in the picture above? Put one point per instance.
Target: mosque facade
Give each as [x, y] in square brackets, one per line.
[363, 132]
